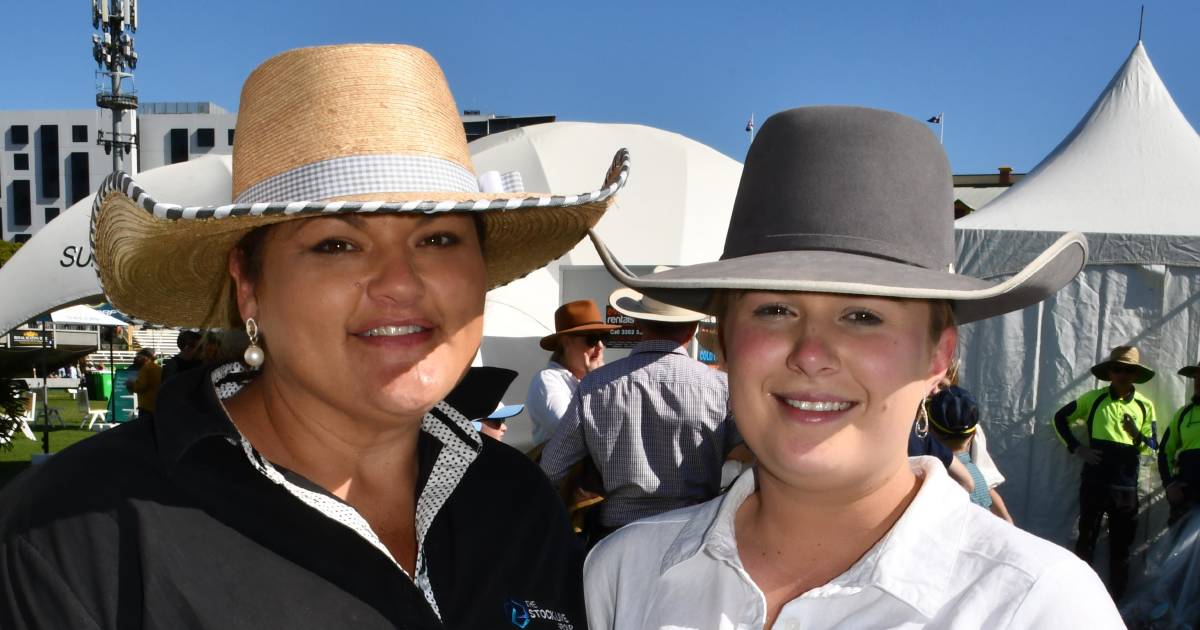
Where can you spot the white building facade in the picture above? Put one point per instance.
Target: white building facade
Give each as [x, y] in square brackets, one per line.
[52, 159]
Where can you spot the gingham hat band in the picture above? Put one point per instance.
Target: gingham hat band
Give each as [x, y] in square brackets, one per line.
[365, 174]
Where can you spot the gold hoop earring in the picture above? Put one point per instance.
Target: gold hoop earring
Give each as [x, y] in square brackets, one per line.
[921, 426]
[254, 355]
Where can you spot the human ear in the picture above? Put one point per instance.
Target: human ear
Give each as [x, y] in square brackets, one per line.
[943, 355]
[243, 284]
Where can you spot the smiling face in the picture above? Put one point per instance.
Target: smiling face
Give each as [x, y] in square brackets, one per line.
[373, 316]
[825, 387]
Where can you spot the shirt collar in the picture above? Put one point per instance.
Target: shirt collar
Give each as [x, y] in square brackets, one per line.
[913, 562]
[190, 405]
[712, 527]
[1128, 398]
[658, 345]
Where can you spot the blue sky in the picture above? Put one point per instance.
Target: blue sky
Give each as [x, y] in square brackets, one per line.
[1013, 78]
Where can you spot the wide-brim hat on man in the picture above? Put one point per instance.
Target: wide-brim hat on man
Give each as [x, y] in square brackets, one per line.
[854, 201]
[320, 131]
[575, 318]
[639, 306]
[1127, 356]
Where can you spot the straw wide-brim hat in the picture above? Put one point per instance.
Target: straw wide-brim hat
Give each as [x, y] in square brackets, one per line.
[1127, 356]
[855, 201]
[638, 306]
[363, 128]
[580, 317]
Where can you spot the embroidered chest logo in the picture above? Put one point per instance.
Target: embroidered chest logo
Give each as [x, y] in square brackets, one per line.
[521, 612]
[517, 613]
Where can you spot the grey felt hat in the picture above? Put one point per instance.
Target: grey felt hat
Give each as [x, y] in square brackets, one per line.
[855, 201]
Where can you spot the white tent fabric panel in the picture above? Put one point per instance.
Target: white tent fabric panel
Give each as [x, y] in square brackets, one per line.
[55, 267]
[1128, 167]
[1141, 290]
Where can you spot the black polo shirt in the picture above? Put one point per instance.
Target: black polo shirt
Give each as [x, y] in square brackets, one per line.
[168, 524]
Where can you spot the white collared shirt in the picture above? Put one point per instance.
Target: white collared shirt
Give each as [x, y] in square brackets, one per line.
[550, 393]
[946, 563]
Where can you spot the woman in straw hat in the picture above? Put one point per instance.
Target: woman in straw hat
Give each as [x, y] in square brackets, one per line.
[326, 486]
[836, 303]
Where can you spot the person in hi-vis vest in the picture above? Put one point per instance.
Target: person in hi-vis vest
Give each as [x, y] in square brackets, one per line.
[1120, 425]
[1179, 458]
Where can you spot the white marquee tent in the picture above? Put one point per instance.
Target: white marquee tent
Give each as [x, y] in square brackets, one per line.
[1126, 176]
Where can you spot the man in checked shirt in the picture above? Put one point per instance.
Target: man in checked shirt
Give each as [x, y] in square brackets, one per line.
[656, 423]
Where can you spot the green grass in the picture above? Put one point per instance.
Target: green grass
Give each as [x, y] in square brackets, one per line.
[17, 458]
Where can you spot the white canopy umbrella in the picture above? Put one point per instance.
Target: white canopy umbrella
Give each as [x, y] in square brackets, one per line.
[84, 315]
[55, 267]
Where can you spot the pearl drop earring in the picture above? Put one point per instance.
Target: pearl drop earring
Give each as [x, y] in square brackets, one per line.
[254, 355]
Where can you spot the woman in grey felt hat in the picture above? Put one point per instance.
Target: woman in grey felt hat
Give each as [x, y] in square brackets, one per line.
[837, 307]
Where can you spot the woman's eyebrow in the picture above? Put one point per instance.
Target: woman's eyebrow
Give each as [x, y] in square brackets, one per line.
[353, 219]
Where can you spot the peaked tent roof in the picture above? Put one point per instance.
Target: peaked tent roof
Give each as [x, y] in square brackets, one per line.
[1130, 166]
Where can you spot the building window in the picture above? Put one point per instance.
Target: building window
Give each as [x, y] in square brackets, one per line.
[79, 175]
[21, 238]
[51, 214]
[18, 134]
[49, 170]
[21, 202]
[79, 133]
[179, 146]
[230, 137]
[20, 161]
[205, 138]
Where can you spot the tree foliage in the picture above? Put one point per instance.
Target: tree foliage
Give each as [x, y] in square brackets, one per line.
[7, 249]
[12, 407]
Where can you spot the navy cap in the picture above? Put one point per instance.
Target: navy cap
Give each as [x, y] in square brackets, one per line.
[954, 411]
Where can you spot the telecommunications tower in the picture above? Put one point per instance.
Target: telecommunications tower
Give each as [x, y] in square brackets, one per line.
[112, 48]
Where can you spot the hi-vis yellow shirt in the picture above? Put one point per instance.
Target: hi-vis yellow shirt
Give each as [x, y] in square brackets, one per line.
[1103, 416]
[1183, 434]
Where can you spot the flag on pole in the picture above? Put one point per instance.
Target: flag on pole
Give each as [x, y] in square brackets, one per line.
[750, 124]
[937, 119]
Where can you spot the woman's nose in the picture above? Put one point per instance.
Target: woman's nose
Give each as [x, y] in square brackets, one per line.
[812, 353]
[394, 278]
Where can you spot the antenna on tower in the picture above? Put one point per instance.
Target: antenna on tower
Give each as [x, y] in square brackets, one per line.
[1141, 20]
[112, 49]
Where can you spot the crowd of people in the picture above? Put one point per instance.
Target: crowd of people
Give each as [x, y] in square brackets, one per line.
[333, 476]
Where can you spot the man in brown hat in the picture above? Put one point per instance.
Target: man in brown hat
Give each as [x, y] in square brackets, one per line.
[577, 345]
[656, 423]
[1120, 425]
